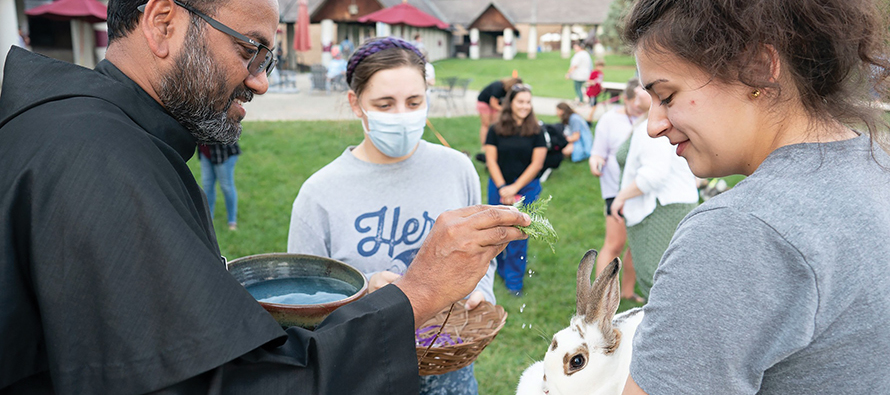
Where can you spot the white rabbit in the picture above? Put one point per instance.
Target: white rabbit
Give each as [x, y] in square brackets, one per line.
[592, 355]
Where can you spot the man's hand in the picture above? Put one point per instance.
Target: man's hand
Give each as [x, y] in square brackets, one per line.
[456, 255]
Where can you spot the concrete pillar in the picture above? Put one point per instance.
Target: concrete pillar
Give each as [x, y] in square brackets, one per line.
[383, 30]
[327, 37]
[288, 43]
[474, 43]
[599, 51]
[509, 44]
[9, 30]
[83, 41]
[565, 44]
[532, 41]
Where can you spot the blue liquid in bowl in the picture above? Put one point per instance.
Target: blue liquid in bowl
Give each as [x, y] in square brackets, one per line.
[301, 290]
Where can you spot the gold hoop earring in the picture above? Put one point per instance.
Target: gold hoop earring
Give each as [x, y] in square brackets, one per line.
[756, 93]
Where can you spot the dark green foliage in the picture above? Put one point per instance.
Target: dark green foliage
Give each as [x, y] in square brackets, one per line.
[540, 228]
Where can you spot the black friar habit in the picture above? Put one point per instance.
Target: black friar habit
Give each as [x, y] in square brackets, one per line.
[111, 280]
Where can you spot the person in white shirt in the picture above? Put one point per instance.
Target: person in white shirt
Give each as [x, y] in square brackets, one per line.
[657, 191]
[612, 130]
[579, 69]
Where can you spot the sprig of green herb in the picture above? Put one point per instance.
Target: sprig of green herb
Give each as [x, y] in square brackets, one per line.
[540, 227]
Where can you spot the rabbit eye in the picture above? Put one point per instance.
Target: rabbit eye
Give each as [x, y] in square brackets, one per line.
[577, 361]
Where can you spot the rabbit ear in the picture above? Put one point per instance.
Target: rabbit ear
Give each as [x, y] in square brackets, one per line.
[604, 299]
[584, 288]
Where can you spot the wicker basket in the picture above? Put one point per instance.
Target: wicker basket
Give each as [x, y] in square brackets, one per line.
[476, 328]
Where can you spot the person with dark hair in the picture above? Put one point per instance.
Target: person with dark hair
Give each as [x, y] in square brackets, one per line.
[779, 285]
[418, 41]
[514, 154]
[488, 104]
[112, 278]
[577, 132]
[392, 178]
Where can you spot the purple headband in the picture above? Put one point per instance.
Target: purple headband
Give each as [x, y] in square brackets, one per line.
[374, 47]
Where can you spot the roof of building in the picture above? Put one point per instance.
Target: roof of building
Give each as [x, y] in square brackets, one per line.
[465, 12]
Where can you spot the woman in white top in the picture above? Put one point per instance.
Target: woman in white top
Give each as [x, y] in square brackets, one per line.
[657, 191]
[612, 130]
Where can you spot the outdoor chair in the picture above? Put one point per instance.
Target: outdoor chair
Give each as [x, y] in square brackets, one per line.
[338, 84]
[459, 92]
[444, 92]
[283, 81]
[319, 78]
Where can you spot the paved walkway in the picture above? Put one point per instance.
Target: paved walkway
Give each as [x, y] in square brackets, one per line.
[289, 104]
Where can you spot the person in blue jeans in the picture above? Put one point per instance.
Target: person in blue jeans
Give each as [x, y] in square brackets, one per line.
[515, 149]
[577, 133]
[218, 163]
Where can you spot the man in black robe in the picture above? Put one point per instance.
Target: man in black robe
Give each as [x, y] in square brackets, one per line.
[111, 279]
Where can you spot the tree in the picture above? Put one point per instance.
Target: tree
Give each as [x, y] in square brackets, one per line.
[611, 37]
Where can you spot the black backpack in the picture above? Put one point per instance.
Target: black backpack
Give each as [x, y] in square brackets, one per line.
[554, 134]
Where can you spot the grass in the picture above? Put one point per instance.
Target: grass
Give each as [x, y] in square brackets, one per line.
[278, 156]
[546, 74]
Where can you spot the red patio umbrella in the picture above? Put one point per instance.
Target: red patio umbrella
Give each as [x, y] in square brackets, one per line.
[90, 11]
[302, 41]
[404, 13]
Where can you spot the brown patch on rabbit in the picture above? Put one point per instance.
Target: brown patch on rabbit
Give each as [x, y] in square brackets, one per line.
[553, 345]
[581, 330]
[576, 361]
[612, 342]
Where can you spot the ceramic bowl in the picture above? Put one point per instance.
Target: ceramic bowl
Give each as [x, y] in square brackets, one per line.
[255, 269]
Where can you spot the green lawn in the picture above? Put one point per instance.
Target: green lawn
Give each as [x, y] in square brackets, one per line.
[546, 74]
[278, 156]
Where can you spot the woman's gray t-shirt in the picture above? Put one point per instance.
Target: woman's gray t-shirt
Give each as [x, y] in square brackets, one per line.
[780, 285]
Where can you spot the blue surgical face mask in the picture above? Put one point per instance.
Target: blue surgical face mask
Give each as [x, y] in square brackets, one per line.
[395, 134]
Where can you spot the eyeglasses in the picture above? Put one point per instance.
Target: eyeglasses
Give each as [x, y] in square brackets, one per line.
[262, 60]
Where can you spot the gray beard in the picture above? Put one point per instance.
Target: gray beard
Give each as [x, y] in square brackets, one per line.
[194, 93]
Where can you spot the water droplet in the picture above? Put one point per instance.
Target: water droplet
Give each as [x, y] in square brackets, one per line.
[523, 326]
[522, 308]
[530, 272]
[529, 326]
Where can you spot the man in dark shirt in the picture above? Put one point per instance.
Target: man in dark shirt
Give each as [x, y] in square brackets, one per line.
[110, 275]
